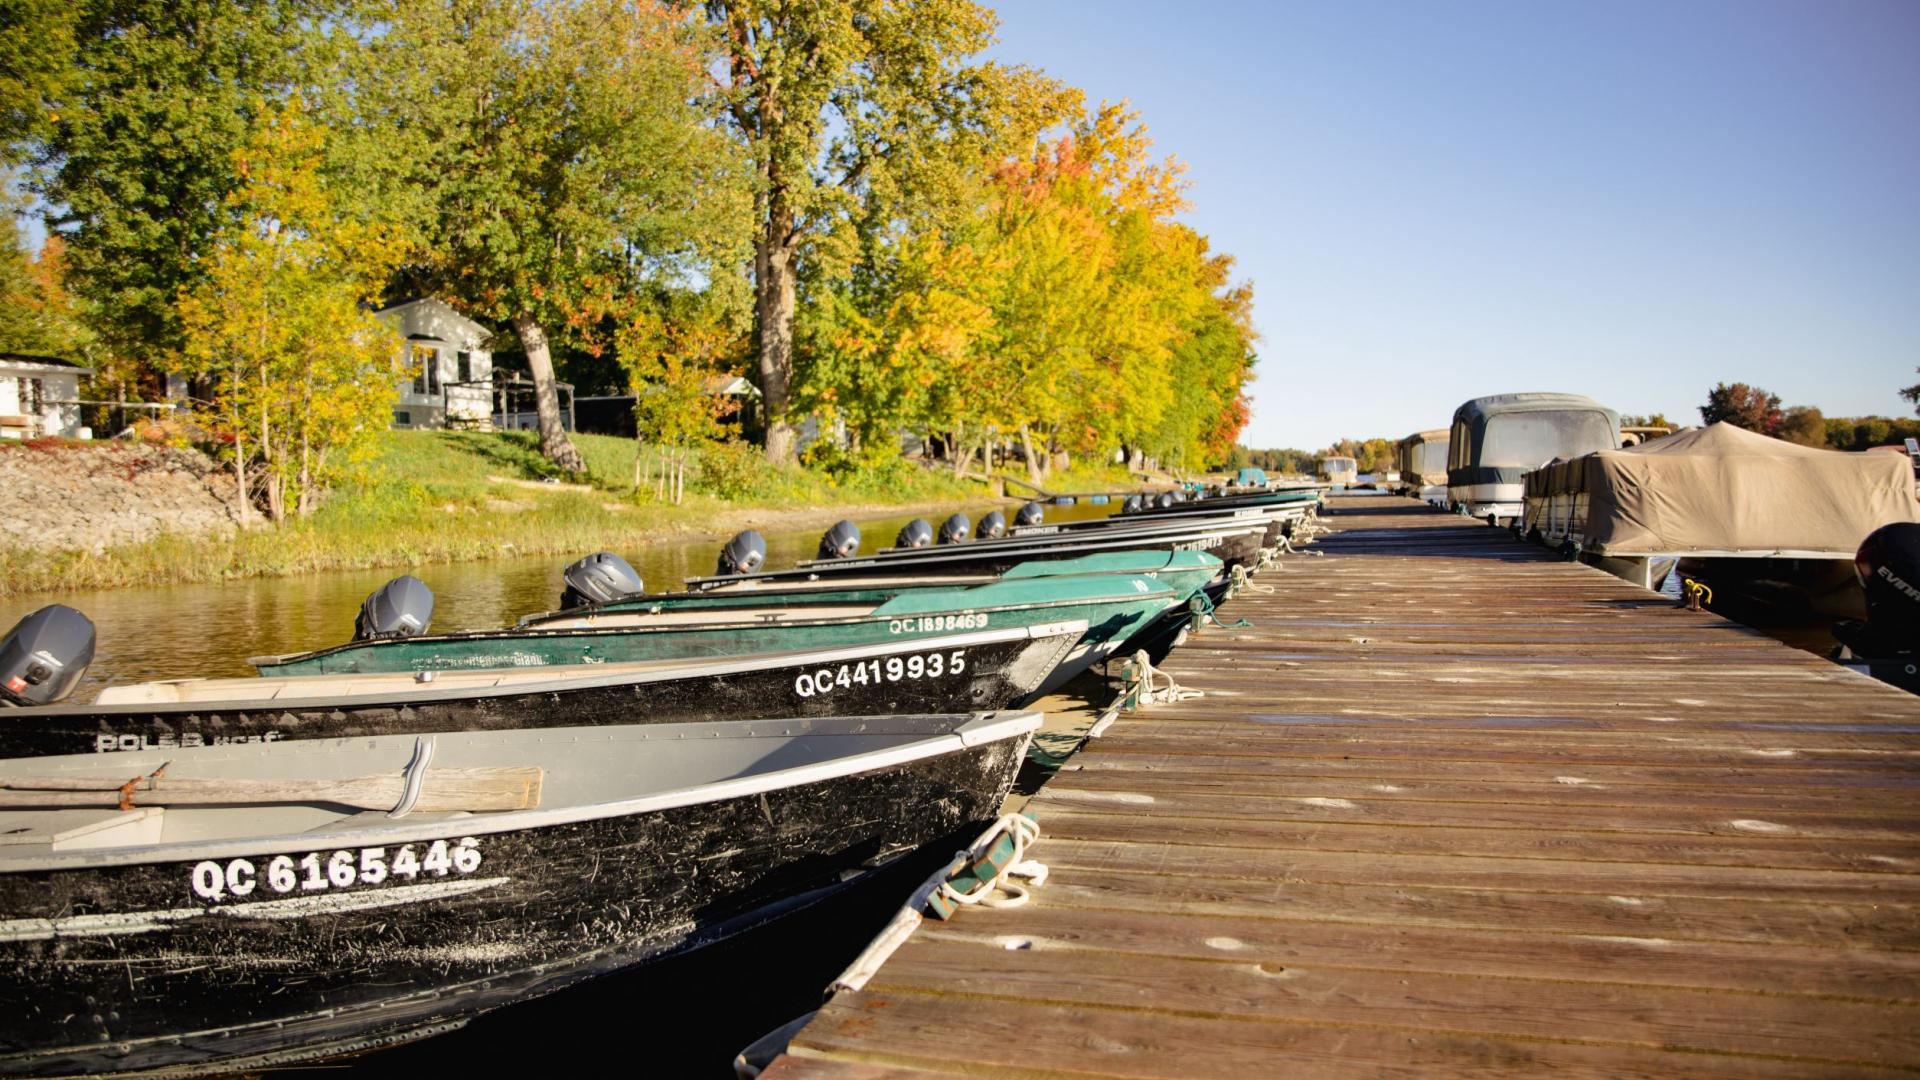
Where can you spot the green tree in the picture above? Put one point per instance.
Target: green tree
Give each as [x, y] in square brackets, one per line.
[861, 117]
[36, 49]
[556, 160]
[138, 156]
[302, 375]
[1805, 425]
[1912, 394]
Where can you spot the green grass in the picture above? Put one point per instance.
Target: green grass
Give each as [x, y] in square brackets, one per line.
[438, 496]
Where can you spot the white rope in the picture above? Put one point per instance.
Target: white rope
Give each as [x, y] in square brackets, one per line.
[999, 892]
[1243, 582]
[1163, 695]
[895, 934]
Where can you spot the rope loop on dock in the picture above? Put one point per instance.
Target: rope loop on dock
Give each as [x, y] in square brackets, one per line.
[1243, 582]
[981, 871]
[1205, 613]
[1150, 694]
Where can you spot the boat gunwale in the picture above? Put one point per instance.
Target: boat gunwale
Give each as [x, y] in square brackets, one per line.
[283, 659]
[650, 671]
[977, 729]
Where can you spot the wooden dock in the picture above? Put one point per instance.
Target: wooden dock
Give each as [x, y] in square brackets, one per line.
[1450, 805]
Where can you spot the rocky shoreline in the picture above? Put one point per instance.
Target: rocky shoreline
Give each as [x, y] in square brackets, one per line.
[92, 496]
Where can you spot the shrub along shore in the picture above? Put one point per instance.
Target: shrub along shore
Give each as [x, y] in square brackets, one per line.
[439, 497]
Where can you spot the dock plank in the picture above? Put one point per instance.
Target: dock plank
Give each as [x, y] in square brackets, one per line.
[1449, 805]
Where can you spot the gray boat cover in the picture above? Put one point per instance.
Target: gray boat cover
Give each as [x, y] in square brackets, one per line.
[1723, 488]
[1423, 458]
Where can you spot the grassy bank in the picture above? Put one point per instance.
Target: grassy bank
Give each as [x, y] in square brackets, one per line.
[431, 497]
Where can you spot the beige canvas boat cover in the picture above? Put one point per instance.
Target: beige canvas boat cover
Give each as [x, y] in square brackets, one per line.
[1724, 488]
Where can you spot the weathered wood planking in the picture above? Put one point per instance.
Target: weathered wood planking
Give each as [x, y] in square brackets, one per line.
[1449, 806]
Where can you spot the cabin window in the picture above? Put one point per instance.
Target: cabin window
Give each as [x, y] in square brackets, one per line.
[1534, 438]
[402, 418]
[32, 396]
[1459, 444]
[466, 368]
[426, 358]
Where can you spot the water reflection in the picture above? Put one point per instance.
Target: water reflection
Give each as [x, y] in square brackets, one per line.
[188, 630]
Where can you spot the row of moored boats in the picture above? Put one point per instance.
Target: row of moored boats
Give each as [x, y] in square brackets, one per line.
[380, 838]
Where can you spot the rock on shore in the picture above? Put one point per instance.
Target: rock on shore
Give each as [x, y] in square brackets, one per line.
[91, 496]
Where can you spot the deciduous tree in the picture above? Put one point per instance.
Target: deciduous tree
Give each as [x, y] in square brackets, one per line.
[860, 116]
[302, 375]
[557, 158]
[138, 156]
[1744, 406]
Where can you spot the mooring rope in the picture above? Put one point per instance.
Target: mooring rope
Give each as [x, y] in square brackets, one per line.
[938, 897]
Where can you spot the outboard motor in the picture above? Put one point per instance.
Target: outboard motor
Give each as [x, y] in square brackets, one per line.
[44, 655]
[1164, 500]
[1133, 505]
[1888, 563]
[954, 530]
[743, 554]
[1887, 645]
[840, 542]
[915, 534]
[992, 527]
[401, 608]
[1031, 514]
[603, 578]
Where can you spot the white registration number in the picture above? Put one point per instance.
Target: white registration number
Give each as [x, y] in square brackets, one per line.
[935, 624]
[318, 871]
[892, 669]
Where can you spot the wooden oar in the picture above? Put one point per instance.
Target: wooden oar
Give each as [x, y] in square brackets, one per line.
[492, 788]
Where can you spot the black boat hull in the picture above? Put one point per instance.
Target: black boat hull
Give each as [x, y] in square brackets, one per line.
[136, 968]
[991, 675]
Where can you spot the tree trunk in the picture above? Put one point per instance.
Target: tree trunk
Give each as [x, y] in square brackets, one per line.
[773, 281]
[554, 444]
[1033, 461]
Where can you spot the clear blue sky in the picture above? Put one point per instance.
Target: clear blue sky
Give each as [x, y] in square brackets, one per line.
[1627, 199]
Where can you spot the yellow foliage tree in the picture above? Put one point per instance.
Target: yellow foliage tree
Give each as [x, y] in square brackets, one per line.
[302, 375]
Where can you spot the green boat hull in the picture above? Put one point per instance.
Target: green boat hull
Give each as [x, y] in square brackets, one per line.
[1186, 572]
[1115, 607]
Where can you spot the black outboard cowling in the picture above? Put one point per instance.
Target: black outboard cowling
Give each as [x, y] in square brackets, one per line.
[954, 530]
[914, 534]
[743, 554]
[600, 578]
[1031, 514]
[840, 542]
[44, 655]
[401, 608]
[993, 526]
[1888, 563]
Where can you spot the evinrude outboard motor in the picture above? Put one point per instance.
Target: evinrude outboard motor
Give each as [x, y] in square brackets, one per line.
[914, 534]
[602, 578]
[743, 554]
[401, 608]
[1133, 505]
[44, 655]
[1887, 644]
[954, 530]
[1031, 514]
[992, 527]
[1888, 563]
[840, 542]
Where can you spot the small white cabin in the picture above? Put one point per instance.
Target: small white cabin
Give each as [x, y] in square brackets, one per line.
[452, 384]
[39, 396]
